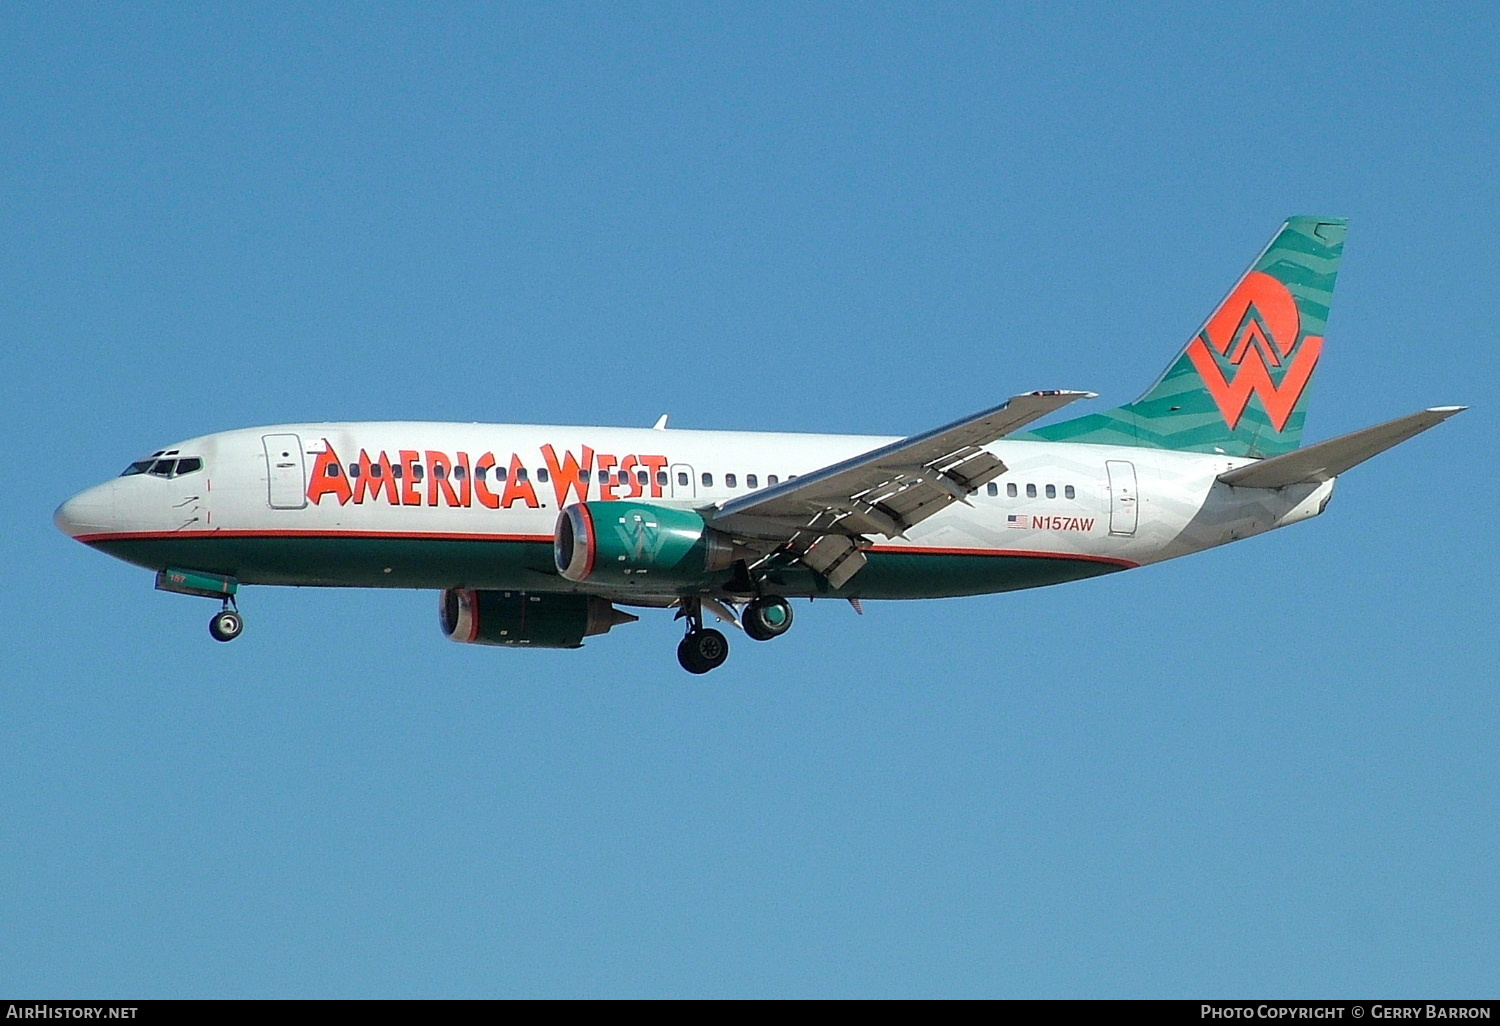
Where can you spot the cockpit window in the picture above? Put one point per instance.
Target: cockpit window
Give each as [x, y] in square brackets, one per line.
[164, 468]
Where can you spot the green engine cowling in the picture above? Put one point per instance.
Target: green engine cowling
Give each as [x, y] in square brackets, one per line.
[635, 545]
[525, 619]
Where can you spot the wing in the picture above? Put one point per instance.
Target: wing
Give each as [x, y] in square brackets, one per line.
[823, 517]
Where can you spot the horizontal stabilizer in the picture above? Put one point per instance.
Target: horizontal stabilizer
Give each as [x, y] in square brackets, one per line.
[1327, 460]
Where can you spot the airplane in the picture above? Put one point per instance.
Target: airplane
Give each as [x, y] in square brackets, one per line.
[537, 536]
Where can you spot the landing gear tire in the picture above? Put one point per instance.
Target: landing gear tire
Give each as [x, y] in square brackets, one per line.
[767, 618]
[702, 650]
[226, 625]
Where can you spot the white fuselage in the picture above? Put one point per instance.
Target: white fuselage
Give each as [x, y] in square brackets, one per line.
[271, 486]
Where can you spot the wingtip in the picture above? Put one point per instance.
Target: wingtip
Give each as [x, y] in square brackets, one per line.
[1446, 411]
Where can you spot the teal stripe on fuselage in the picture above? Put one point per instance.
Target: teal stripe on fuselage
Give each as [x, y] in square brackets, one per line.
[380, 562]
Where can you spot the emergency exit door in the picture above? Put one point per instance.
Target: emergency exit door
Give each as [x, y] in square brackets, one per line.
[286, 480]
[1122, 497]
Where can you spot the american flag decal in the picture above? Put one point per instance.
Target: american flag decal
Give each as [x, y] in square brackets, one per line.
[1023, 522]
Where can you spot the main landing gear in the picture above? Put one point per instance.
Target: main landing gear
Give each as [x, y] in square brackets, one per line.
[227, 624]
[767, 617]
[703, 648]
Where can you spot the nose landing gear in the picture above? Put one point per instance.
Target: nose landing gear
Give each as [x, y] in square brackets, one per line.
[227, 624]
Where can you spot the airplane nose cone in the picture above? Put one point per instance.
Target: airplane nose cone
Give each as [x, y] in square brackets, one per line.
[86, 513]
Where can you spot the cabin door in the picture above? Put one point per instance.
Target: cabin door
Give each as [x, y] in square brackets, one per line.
[1122, 497]
[286, 480]
[683, 485]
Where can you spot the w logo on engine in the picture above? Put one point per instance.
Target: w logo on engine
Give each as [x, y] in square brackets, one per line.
[640, 535]
[1256, 330]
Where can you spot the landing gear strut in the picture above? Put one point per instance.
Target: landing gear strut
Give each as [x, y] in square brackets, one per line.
[227, 624]
[703, 648]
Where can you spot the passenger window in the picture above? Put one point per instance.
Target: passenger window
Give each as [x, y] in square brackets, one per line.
[163, 468]
[520, 473]
[334, 469]
[771, 479]
[729, 481]
[661, 478]
[396, 472]
[624, 479]
[708, 480]
[500, 473]
[138, 467]
[643, 478]
[1010, 489]
[682, 479]
[992, 489]
[1068, 492]
[542, 475]
[417, 471]
[354, 470]
[1031, 491]
[604, 477]
[458, 473]
[751, 481]
[1052, 491]
[479, 473]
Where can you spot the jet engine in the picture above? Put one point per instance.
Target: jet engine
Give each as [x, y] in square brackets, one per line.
[524, 619]
[639, 546]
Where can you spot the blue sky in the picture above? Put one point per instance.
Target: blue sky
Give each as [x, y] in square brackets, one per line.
[1265, 770]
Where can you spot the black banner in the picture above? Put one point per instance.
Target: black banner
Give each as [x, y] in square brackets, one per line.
[153, 1011]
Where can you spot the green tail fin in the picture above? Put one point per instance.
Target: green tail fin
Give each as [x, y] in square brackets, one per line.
[1240, 386]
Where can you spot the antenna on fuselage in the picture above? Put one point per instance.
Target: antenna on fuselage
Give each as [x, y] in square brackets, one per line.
[661, 423]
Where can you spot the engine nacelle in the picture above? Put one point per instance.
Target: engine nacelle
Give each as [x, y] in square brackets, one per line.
[635, 545]
[522, 618]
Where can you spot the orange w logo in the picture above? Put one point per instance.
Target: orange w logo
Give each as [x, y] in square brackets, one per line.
[1257, 329]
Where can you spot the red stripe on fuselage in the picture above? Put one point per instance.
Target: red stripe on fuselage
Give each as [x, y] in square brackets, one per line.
[910, 550]
[399, 535]
[933, 550]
